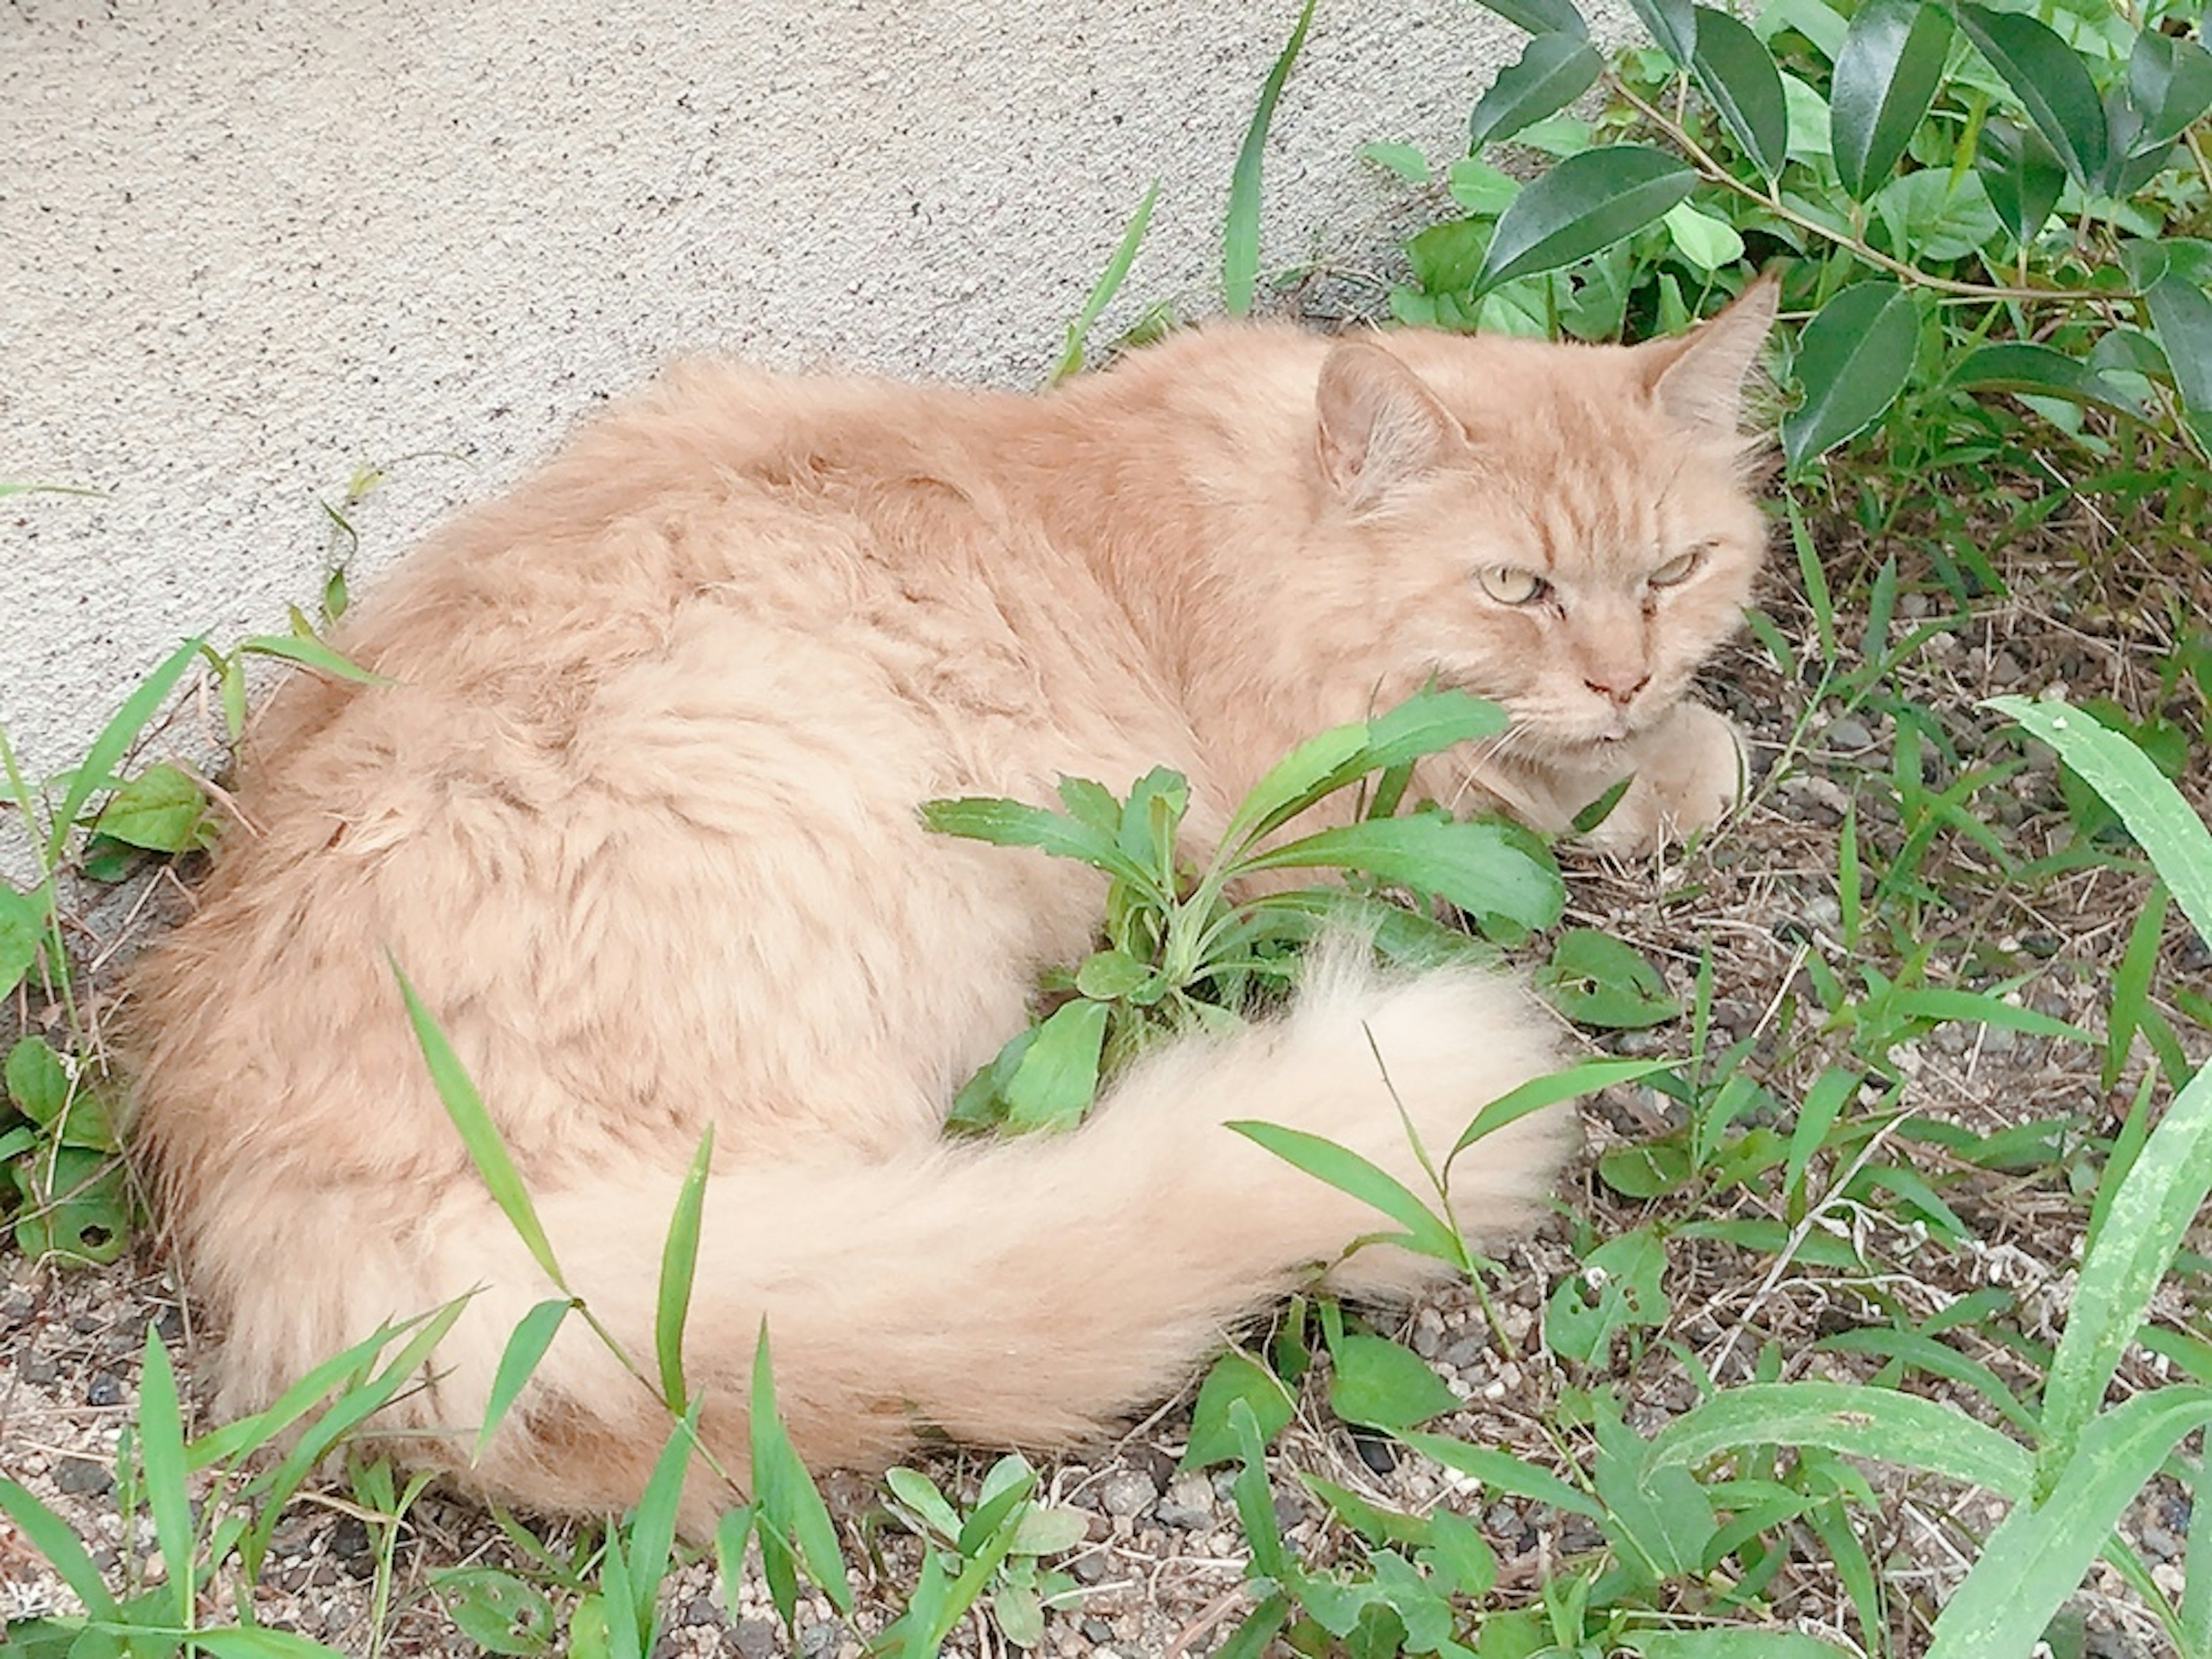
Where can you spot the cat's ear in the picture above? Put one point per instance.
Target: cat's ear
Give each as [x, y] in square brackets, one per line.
[1378, 426]
[1698, 377]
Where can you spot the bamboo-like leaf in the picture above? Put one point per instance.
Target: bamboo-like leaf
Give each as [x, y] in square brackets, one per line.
[261, 1642]
[115, 738]
[1583, 1077]
[1503, 1472]
[1108, 285]
[2049, 78]
[526, 1346]
[794, 1520]
[1731, 1643]
[309, 652]
[679, 1262]
[162, 1449]
[1587, 203]
[1852, 360]
[1551, 73]
[1240, 256]
[1541, 16]
[1737, 74]
[1426, 1232]
[1843, 1417]
[1886, 78]
[652, 1528]
[246, 1435]
[48, 1534]
[477, 1130]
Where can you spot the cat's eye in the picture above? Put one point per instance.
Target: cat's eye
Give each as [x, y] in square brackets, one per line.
[1677, 569]
[1508, 584]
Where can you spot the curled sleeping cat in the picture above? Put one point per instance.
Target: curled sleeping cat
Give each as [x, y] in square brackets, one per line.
[637, 813]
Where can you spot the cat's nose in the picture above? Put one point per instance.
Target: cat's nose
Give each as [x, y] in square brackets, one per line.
[1620, 695]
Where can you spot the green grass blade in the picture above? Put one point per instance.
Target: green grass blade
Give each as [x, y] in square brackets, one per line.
[477, 1132]
[161, 1447]
[1860, 1422]
[1482, 868]
[1922, 1352]
[1108, 285]
[48, 1534]
[248, 1434]
[679, 1262]
[793, 1519]
[1583, 1077]
[114, 741]
[2038, 1556]
[526, 1346]
[1239, 249]
[653, 1529]
[1348, 1172]
[1012, 823]
[1501, 1471]
[311, 652]
[260, 1642]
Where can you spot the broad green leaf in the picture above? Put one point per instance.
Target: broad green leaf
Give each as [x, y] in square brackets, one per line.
[1480, 867]
[1501, 1471]
[2022, 175]
[309, 652]
[1382, 1386]
[1348, 1172]
[1594, 979]
[1887, 73]
[1447, 258]
[1551, 73]
[2170, 83]
[1852, 360]
[162, 1449]
[1710, 244]
[1106, 975]
[1483, 190]
[162, 809]
[1240, 253]
[22, 923]
[77, 1206]
[2037, 1557]
[920, 1494]
[1541, 16]
[1674, 27]
[1010, 824]
[2182, 317]
[1939, 214]
[2049, 78]
[97, 768]
[1877, 1424]
[1586, 203]
[38, 1081]
[1738, 79]
[500, 1612]
[477, 1130]
[1646, 1169]
[1583, 1077]
[794, 1522]
[2020, 366]
[1058, 1077]
[1618, 1288]
[1234, 1377]
[679, 1260]
[526, 1346]
[1048, 1528]
[1659, 1520]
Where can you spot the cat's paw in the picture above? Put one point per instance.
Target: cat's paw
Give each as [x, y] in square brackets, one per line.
[1690, 773]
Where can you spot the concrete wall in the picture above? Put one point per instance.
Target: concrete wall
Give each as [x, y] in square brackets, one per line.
[246, 248]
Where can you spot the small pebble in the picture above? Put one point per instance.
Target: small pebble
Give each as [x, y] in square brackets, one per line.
[36, 1369]
[105, 1388]
[1127, 1492]
[756, 1637]
[84, 1477]
[1850, 735]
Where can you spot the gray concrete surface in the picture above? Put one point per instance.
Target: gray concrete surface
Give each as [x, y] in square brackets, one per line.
[247, 247]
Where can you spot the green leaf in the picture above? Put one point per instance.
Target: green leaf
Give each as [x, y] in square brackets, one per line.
[2182, 317]
[679, 1260]
[38, 1081]
[2021, 175]
[1645, 1169]
[1483, 190]
[1058, 1077]
[1710, 244]
[2049, 78]
[1852, 360]
[1344, 1169]
[1240, 256]
[1674, 25]
[1938, 215]
[1541, 16]
[1584, 1076]
[1618, 1288]
[500, 1612]
[22, 923]
[526, 1346]
[48, 1534]
[793, 1521]
[1551, 73]
[653, 1526]
[1852, 1419]
[76, 1205]
[1010, 824]
[1736, 1642]
[97, 768]
[1501, 1471]
[2019, 365]
[1594, 979]
[1234, 1377]
[477, 1130]
[1108, 285]
[2170, 83]
[1384, 1386]
[1659, 1520]
[1738, 79]
[162, 809]
[162, 1449]
[1586, 203]
[1887, 73]
[1404, 161]
[309, 652]
[1479, 867]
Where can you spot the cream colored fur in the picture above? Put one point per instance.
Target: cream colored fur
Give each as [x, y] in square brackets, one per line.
[637, 814]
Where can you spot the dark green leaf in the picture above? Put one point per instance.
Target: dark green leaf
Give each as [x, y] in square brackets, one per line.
[1645, 1169]
[1480, 867]
[2170, 84]
[1853, 360]
[2022, 175]
[1594, 979]
[1058, 1077]
[1588, 202]
[76, 1206]
[1673, 26]
[1886, 74]
[38, 1081]
[500, 1612]
[1240, 256]
[2182, 317]
[1738, 79]
[1447, 258]
[2049, 78]
[1541, 16]
[1382, 1386]
[2039, 370]
[1551, 73]
[162, 809]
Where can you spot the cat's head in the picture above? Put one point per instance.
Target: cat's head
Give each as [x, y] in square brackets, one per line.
[1568, 529]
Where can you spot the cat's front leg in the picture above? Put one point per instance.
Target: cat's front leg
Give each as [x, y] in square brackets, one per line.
[1689, 772]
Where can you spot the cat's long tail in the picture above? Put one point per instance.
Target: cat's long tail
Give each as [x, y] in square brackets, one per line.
[1024, 1291]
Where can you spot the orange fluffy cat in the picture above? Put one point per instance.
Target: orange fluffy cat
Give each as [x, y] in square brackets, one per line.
[636, 812]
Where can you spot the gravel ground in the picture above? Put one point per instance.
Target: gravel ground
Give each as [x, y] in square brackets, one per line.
[1161, 1566]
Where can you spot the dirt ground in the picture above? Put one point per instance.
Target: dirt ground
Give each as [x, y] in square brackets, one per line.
[1162, 1569]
